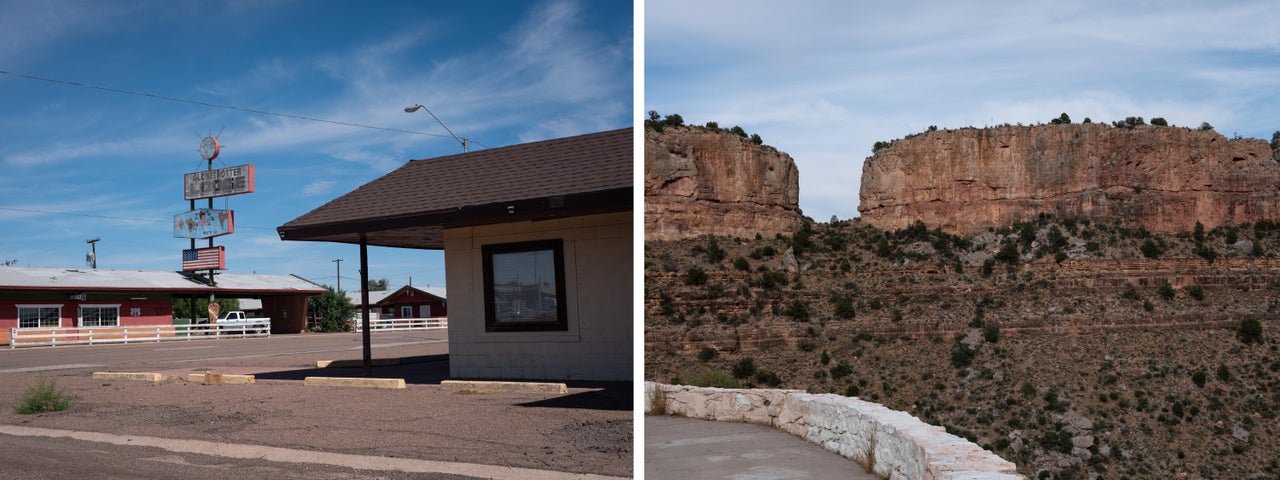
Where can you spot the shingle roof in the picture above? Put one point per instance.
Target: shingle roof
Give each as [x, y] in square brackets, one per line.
[42, 278]
[410, 206]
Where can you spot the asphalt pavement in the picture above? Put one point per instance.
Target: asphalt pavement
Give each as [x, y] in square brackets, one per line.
[693, 449]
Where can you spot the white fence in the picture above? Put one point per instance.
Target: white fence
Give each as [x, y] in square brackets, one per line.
[31, 337]
[400, 324]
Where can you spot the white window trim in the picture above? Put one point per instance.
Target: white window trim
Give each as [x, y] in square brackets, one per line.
[406, 309]
[49, 305]
[80, 314]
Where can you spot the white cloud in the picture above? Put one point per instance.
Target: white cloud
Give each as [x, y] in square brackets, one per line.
[317, 188]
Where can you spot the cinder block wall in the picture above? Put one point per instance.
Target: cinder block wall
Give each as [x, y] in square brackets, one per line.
[902, 447]
[598, 271]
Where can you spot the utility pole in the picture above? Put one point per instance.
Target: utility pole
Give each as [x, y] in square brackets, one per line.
[339, 262]
[93, 254]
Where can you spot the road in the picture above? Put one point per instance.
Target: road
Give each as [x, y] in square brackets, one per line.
[273, 351]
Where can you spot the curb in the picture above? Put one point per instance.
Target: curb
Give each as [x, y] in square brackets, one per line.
[148, 377]
[472, 386]
[391, 383]
[377, 362]
[220, 379]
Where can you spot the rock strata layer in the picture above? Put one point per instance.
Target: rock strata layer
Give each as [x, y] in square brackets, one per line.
[700, 181]
[1162, 178]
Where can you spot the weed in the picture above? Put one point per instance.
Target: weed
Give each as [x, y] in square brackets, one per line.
[43, 397]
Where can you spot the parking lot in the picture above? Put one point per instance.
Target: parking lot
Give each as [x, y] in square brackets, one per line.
[422, 430]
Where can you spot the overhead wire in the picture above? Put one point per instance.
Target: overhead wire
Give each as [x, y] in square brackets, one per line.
[216, 105]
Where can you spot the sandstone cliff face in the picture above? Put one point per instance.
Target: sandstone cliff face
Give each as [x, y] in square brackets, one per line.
[700, 182]
[1162, 178]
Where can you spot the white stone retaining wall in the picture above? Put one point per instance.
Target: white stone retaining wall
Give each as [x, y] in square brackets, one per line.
[902, 446]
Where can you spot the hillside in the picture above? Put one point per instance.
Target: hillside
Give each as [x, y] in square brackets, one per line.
[1067, 346]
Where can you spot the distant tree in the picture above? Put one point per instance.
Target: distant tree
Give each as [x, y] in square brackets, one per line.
[1063, 119]
[378, 285]
[879, 145]
[192, 309]
[1128, 123]
[737, 130]
[1087, 120]
[713, 126]
[1275, 146]
[755, 138]
[673, 120]
[14, 263]
[1205, 126]
[1250, 331]
[333, 311]
[1160, 122]
[654, 116]
[1151, 250]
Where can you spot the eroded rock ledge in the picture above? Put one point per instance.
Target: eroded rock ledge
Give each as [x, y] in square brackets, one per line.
[699, 181]
[1164, 179]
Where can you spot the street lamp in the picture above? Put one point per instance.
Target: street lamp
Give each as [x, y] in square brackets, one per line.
[415, 108]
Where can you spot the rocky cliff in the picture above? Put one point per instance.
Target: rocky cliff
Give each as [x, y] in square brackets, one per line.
[699, 181]
[1162, 178]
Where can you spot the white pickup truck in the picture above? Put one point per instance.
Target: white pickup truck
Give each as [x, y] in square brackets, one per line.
[237, 321]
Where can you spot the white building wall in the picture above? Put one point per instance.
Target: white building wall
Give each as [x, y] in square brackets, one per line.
[598, 280]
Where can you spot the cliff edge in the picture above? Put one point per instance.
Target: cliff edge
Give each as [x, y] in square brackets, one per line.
[1164, 179]
[700, 181]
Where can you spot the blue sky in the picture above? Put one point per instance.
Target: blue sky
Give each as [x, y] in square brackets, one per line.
[825, 80]
[80, 162]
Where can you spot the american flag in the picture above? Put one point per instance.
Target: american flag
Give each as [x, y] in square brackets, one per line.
[212, 258]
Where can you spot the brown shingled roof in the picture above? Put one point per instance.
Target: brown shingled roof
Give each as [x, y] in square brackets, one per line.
[411, 206]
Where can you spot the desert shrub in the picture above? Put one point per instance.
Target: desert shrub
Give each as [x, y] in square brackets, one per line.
[841, 370]
[1166, 291]
[1249, 331]
[1224, 373]
[1199, 378]
[745, 367]
[844, 307]
[43, 397]
[715, 254]
[962, 355]
[987, 266]
[1151, 250]
[1196, 292]
[741, 264]
[798, 311]
[825, 358]
[991, 333]
[695, 276]
[708, 354]
[765, 377]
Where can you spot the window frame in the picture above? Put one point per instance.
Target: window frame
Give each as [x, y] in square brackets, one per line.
[57, 306]
[406, 311]
[80, 318]
[556, 247]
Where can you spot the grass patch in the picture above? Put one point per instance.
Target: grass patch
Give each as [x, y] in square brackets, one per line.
[43, 397]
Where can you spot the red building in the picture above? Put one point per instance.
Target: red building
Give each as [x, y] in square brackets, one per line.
[33, 297]
[406, 302]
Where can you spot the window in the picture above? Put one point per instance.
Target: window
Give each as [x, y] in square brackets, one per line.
[99, 315]
[524, 287]
[39, 316]
[406, 312]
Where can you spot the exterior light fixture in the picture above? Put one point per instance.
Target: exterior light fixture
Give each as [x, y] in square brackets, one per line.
[415, 108]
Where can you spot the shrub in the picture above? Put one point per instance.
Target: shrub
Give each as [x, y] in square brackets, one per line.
[825, 358]
[708, 354]
[1224, 374]
[798, 311]
[744, 368]
[765, 377]
[841, 370]
[1205, 126]
[1159, 121]
[1199, 377]
[741, 264]
[1249, 331]
[714, 253]
[1196, 292]
[991, 333]
[1008, 253]
[1166, 291]
[844, 308]
[695, 276]
[43, 397]
[961, 354]
[1151, 250]
[333, 309]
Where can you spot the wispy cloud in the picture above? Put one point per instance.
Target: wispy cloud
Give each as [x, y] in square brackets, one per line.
[317, 188]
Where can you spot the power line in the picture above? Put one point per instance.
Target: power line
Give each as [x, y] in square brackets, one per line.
[132, 219]
[215, 105]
